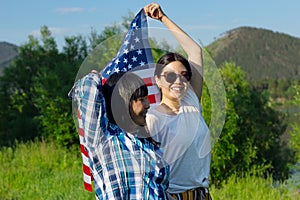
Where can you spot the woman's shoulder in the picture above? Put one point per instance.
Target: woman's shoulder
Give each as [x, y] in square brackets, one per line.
[153, 112]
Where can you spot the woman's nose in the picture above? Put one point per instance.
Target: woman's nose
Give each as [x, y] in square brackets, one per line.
[178, 78]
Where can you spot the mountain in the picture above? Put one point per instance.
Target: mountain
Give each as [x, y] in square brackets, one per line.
[262, 54]
[8, 52]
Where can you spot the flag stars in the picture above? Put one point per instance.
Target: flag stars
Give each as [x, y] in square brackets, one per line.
[134, 59]
[117, 61]
[131, 53]
[126, 42]
[126, 51]
[142, 63]
[137, 39]
[134, 26]
[117, 70]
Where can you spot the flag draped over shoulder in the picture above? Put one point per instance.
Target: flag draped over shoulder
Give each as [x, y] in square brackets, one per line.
[134, 55]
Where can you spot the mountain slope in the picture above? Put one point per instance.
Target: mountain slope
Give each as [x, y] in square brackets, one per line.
[263, 54]
[8, 52]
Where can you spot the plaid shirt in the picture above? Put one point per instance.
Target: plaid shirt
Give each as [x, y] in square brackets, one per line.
[123, 166]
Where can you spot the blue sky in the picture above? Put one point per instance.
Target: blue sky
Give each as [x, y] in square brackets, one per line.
[203, 20]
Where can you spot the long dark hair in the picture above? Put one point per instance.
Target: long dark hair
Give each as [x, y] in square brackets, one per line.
[171, 57]
[119, 90]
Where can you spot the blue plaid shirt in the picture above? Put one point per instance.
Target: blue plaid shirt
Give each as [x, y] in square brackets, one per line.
[123, 166]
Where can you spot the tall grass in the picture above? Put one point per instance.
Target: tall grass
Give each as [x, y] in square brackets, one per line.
[39, 170]
[254, 187]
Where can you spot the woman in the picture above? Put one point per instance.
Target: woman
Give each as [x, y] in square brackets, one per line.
[126, 162]
[177, 122]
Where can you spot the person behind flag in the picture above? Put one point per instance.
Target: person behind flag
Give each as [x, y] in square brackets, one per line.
[177, 121]
[126, 162]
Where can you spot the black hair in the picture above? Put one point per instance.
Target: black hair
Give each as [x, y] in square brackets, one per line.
[118, 91]
[171, 57]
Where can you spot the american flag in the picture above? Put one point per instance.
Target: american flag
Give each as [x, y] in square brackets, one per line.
[134, 54]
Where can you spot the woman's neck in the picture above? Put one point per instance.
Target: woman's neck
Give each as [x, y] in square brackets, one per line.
[170, 105]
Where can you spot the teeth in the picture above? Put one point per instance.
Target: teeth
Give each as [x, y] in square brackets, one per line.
[177, 89]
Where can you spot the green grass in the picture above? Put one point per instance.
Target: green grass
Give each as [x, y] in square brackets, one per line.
[252, 187]
[39, 170]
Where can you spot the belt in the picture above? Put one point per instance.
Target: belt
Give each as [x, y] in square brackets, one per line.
[199, 193]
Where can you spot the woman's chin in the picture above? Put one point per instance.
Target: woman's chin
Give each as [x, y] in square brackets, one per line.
[178, 94]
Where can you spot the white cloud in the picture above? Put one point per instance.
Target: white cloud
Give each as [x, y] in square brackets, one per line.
[58, 31]
[55, 31]
[64, 11]
[236, 20]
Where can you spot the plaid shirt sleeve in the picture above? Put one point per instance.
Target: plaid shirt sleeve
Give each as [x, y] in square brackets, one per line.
[87, 92]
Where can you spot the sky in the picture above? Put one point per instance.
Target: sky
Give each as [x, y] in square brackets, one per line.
[205, 21]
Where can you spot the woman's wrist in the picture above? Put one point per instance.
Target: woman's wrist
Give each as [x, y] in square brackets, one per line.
[162, 18]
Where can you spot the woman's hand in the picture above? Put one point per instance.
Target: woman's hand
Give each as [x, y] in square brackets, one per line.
[154, 11]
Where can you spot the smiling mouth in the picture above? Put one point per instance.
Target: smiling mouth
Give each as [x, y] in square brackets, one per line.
[177, 89]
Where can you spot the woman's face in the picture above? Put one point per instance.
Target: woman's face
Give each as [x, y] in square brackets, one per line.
[139, 110]
[173, 81]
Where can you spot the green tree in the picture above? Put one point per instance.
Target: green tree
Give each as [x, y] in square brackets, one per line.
[34, 90]
[251, 135]
[295, 133]
[17, 110]
[51, 86]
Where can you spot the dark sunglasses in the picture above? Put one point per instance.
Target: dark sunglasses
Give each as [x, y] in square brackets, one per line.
[172, 76]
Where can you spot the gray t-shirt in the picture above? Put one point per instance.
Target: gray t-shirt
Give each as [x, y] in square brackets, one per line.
[185, 141]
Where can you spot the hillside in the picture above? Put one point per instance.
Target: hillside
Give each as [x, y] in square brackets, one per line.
[8, 52]
[261, 53]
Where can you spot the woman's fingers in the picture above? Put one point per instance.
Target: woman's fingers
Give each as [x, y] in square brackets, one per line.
[147, 9]
[152, 10]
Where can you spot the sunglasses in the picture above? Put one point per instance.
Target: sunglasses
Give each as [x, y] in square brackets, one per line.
[172, 76]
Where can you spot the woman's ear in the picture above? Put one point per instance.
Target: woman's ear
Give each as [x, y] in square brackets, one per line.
[157, 81]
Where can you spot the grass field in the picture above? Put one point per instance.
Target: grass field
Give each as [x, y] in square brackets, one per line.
[39, 170]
